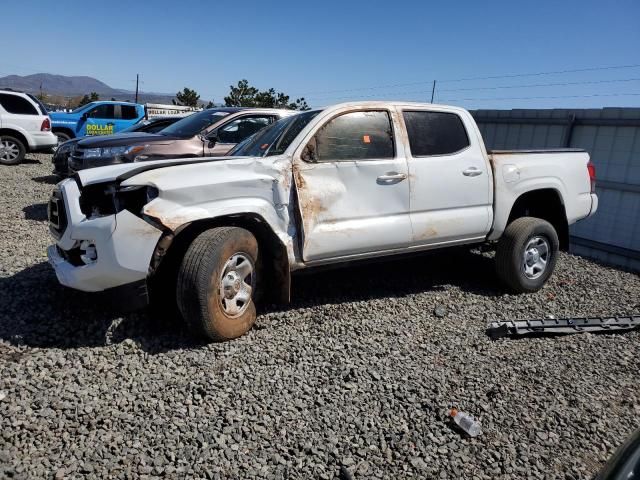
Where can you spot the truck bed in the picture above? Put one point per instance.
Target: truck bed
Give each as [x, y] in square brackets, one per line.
[538, 150]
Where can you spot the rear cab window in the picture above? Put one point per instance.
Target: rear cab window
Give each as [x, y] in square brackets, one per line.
[362, 135]
[128, 112]
[435, 133]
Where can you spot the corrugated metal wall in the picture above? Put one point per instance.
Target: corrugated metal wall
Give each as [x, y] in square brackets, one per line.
[612, 137]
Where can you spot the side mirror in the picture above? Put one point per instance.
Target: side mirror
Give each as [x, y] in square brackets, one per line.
[85, 115]
[309, 152]
[212, 139]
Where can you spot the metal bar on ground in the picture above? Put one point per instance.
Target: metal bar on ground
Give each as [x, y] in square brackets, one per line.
[504, 328]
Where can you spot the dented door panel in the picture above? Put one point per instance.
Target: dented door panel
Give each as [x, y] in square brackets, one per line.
[346, 210]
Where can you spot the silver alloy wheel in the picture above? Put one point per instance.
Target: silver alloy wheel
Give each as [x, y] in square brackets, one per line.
[9, 150]
[536, 257]
[237, 281]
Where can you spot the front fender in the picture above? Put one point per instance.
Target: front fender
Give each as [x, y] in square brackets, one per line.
[174, 216]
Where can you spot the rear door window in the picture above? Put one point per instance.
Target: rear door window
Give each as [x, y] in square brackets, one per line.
[18, 105]
[355, 136]
[435, 133]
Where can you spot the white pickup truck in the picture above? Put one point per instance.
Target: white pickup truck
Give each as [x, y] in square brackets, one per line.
[352, 181]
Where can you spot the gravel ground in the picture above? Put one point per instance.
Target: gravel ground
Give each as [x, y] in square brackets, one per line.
[352, 380]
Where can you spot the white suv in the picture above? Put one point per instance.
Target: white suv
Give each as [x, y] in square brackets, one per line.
[24, 127]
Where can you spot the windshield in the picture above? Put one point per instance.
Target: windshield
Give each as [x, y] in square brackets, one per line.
[194, 124]
[274, 139]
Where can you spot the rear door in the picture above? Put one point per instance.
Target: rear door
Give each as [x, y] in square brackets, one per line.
[100, 120]
[352, 185]
[451, 189]
[236, 130]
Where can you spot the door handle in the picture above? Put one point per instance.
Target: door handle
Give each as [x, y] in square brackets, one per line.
[391, 177]
[472, 172]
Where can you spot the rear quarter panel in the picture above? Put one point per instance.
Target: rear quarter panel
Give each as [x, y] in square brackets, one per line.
[520, 172]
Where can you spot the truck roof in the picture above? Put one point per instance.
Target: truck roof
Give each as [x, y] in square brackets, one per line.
[386, 103]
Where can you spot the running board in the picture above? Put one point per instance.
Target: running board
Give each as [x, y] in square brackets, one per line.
[499, 329]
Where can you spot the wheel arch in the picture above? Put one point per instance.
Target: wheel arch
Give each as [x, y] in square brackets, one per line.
[547, 204]
[64, 130]
[172, 246]
[17, 135]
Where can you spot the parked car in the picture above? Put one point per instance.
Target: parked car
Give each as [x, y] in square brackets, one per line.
[24, 126]
[212, 132]
[353, 181]
[96, 118]
[147, 125]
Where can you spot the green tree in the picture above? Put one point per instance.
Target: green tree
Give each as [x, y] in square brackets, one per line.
[210, 104]
[244, 95]
[187, 97]
[92, 97]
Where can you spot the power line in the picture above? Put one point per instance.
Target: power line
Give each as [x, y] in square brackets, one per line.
[491, 77]
[543, 97]
[556, 84]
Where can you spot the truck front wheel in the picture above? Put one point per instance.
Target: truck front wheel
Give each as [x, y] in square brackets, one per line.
[527, 254]
[217, 283]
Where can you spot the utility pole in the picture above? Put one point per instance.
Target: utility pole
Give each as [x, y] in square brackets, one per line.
[433, 91]
[138, 80]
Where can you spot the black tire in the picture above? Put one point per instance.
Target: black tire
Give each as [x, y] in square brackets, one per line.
[510, 254]
[198, 288]
[13, 143]
[62, 137]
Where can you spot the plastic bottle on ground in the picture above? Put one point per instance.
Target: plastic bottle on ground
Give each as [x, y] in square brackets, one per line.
[466, 422]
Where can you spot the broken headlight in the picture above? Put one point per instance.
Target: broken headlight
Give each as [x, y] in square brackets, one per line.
[108, 199]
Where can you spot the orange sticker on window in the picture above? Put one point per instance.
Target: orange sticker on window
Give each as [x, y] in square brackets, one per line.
[366, 139]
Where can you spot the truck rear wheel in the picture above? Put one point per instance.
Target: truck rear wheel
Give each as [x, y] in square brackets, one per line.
[12, 150]
[527, 254]
[217, 283]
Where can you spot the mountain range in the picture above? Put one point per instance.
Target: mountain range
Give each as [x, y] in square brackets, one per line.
[73, 86]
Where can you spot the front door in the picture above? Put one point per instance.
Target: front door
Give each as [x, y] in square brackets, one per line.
[451, 186]
[235, 131]
[100, 120]
[353, 189]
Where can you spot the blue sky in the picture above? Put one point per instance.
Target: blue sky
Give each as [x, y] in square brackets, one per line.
[330, 51]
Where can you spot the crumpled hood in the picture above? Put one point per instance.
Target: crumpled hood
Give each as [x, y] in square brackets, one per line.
[126, 140]
[110, 173]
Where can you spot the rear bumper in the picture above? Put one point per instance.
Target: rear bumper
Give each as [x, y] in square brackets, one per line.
[594, 204]
[42, 141]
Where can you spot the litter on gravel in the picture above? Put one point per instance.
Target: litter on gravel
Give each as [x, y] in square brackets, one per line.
[356, 370]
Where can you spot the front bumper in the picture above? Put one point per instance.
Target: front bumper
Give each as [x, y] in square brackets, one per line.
[124, 244]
